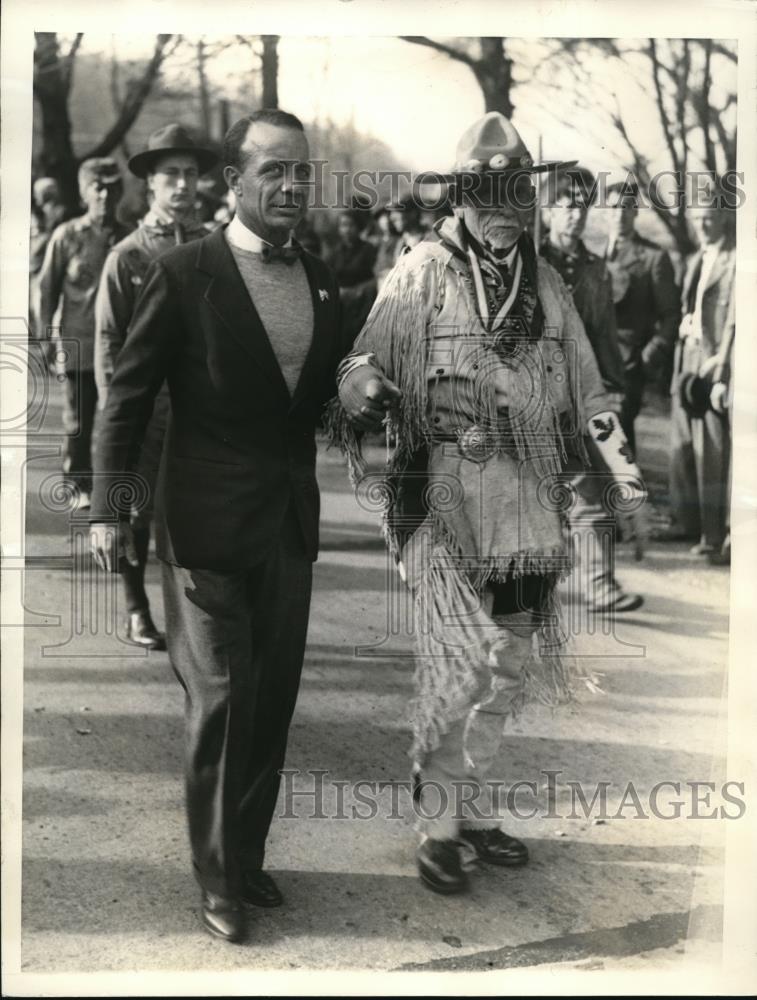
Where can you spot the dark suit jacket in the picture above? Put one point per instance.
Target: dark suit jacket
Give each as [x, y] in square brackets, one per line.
[718, 307]
[239, 447]
[646, 301]
[589, 283]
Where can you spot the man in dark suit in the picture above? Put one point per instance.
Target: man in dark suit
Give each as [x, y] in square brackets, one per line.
[243, 325]
[700, 437]
[646, 301]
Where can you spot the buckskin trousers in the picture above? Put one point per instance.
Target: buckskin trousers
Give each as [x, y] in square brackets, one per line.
[457, 789]
[236, 642]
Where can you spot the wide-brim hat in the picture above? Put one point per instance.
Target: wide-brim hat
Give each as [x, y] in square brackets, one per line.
[694, 394]
[490, 154]
[171, 138]
[493, 145]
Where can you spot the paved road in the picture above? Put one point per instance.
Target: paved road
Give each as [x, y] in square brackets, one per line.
[106, 879]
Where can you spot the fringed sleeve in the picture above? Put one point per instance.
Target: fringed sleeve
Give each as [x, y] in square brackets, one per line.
[395, 333]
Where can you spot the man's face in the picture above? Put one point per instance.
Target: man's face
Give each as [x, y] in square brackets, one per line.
[500, 227]
[173, 184]
[622, 212]
[271, 189]
[101, 199]
[567, 218]
[347, 229]
[709, 225]
[397, 219]
[52, 207]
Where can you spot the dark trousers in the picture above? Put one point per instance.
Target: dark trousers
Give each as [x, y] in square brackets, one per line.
[236, 642]
[79, 407]
[632, 400]
[699, 473]
[149, 463]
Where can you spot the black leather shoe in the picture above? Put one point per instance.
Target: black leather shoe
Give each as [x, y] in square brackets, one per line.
[222, 917]
[496, 847]
[259, 889]
[141, 630]
[620, 601]
[439, 866]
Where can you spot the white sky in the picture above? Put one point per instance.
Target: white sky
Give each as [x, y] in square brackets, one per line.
[419, 101]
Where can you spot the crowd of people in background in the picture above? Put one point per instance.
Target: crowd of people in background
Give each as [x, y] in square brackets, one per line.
[647, 321]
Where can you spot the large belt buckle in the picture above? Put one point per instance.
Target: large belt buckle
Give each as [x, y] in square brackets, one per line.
[476, 444]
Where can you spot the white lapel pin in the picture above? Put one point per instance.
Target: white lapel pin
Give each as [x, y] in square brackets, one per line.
[324, 294]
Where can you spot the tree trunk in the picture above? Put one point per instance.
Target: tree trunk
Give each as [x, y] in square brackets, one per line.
[493, 71]
[202, 82]
[224, 117]
[51, 89]
[270, 71]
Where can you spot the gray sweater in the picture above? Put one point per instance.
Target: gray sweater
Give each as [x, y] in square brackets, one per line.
[281, 295]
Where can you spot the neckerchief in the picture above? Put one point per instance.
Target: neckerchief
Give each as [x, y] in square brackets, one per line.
[180, 231]
[496, 285]
[525, 317]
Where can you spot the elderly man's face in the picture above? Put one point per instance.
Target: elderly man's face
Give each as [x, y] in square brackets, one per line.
[709, 225]
[271, 189]
[505, 213]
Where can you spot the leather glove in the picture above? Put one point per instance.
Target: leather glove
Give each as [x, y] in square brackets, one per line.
[366, 395]
[110, 543]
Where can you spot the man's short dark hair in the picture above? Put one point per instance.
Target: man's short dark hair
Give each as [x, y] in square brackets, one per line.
[234, 138]
[576, 183]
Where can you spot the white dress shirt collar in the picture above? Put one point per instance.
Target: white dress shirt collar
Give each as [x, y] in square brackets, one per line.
[243, 238]
[712, 249]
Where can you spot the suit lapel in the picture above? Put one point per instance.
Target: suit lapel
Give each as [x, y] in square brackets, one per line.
[322, 340]
[227, 295]
[691, 277]
[719, 266]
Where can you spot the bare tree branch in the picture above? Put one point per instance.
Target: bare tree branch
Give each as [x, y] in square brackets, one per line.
[135, 98]
[448, 50]
[704, 110]
[67, 67]
[723, 50]
[664, 120]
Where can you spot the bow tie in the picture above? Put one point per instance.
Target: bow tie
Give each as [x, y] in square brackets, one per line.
[288, 254]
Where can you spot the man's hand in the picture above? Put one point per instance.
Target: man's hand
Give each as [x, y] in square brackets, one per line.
[46, 354]
[109, 543]
[686, 326]
[718, 397]
[366, 395]
[653, 357]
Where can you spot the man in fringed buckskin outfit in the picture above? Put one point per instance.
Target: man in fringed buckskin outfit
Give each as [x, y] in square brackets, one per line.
[476, 350]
